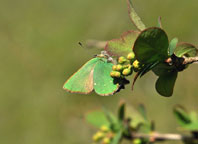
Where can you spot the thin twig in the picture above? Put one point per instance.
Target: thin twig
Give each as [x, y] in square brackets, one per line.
[190, 60]
[155, 136]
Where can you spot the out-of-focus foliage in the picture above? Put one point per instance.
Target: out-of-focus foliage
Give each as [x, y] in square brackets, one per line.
[39, 50]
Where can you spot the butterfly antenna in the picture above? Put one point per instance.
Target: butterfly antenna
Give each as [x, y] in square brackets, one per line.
[81, 44]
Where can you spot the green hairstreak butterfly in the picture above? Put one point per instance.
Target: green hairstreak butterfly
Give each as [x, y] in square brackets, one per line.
[93, 75]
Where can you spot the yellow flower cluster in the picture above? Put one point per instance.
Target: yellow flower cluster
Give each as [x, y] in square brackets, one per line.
[104, 135]
[125, 66]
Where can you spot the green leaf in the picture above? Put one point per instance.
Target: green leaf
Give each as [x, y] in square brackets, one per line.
[134, 16]
[144, 128]
[148, 67]
[186, 120]
[135, 115]
[151, 46]
[110, 116]
[123, 45]
[142, 111]
[117, 137]
[172, 46]
[193, 116]
[121, 112]
[182, 115]
[97, 118]
[165, 83]
[192, 126]
[185, 49]
[162, 68]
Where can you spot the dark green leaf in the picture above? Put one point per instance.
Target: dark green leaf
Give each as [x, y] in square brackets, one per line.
[134, 16]
[151, 46]
[185, 49]
[182, 115]
[165, 83]
[162, 68]
[121, 112]
[110, 117]
[123, 45]
[148, 67]
[97, 118]
[172, 45]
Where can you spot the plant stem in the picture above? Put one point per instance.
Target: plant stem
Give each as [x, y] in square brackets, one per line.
[155, 136]
[190, 60]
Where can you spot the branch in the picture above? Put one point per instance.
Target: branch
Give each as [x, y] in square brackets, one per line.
[155, 136]
[96, 43]
[190, 60]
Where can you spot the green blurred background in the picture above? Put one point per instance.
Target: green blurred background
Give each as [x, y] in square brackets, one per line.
[39, 50]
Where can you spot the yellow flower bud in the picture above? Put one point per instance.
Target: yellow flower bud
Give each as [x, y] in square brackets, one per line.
[136, 64]
[126, 66]
[131, 56]
[114, 67]
[121, 60]
[117, 74]
[119, 67]
[126, 72]
[137, 141]
[106, 140]
[113, 74]
[95, 138]
[99, 135]
[104, 128]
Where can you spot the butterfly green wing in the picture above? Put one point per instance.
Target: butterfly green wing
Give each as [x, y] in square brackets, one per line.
[82, 80]
[103, 82]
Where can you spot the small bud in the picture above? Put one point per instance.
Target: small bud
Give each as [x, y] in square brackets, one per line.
[95, 138]
[126, 66]
[106, 140]
[121, 60]
[119, 67]
[137, 141]
[126, 72]
[136, 64]
[114, 67]
[130, 56]
[104, 128]
[113, 73]
[117, 74]
[99, 135]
